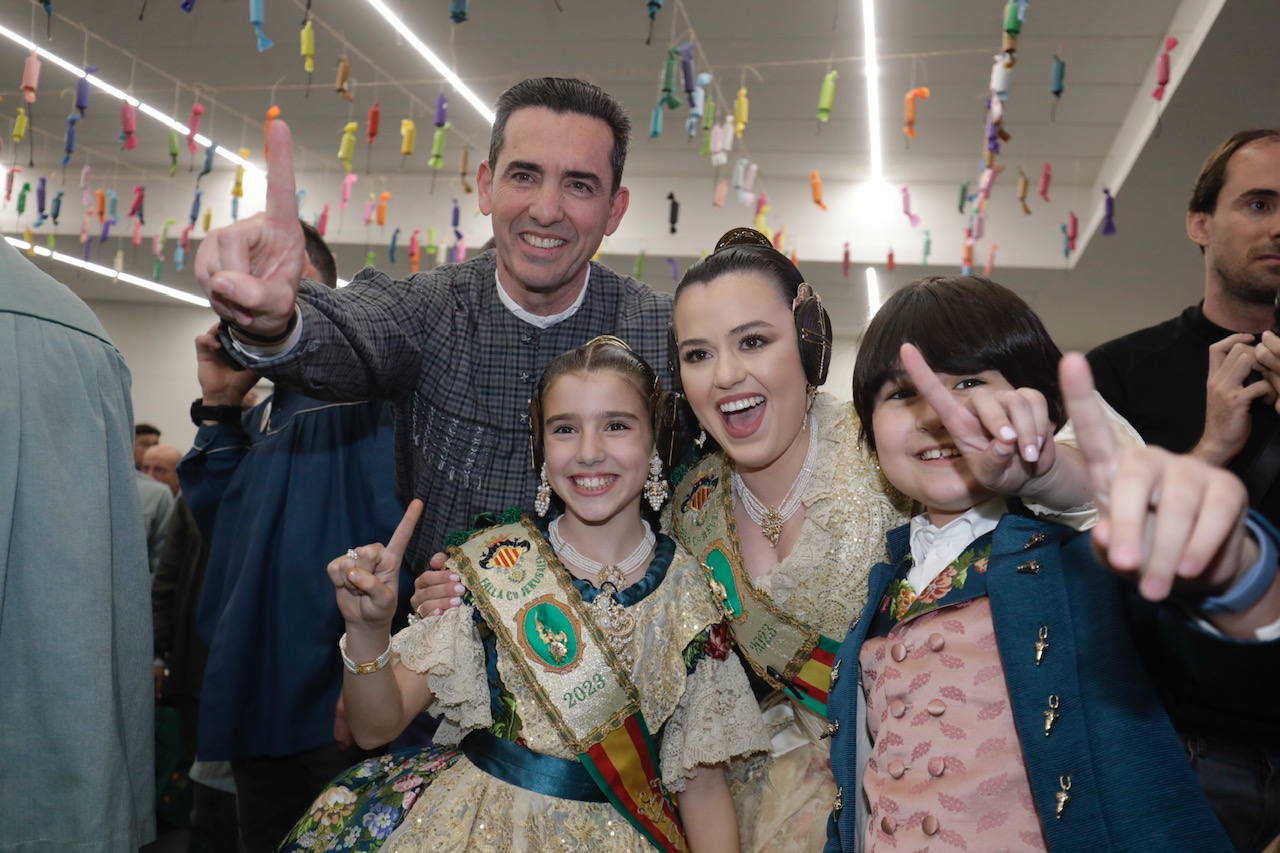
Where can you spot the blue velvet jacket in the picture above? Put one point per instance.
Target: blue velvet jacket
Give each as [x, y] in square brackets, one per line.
[1132, 786]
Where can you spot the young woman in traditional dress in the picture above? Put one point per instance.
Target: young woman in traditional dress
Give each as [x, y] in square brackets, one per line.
[586, 684]
[789, 515]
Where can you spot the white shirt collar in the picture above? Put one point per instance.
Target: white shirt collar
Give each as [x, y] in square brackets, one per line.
[542, 321]
[933, 548]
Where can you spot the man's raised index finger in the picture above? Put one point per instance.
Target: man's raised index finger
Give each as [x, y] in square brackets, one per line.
[282, 199]
[955, 417]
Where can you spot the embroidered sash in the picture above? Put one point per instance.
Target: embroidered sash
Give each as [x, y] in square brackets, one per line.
[539, 618]
[785, 651]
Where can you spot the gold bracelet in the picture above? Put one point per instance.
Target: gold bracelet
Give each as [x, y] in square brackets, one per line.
[363, 668]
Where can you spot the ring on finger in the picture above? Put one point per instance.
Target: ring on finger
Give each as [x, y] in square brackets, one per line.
[351, 552]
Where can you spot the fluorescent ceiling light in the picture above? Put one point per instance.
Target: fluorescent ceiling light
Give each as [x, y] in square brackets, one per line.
[444, 70]
[108, 272]
[102, 85]
[873, 292]
[872, 72]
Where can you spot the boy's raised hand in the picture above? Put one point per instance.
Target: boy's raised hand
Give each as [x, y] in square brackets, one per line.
[367, 584]
[250, 269]
[1006, 437]
[1171, 519]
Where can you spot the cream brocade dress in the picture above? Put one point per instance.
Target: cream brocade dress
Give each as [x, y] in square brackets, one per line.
[849, 507]
[703, 718]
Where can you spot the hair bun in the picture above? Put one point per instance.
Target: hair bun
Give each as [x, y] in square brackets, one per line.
[743, 237]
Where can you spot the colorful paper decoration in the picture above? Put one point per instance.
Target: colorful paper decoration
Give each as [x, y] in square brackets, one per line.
[257, 20]
[815, 187]
[909, 109]
[827, 95]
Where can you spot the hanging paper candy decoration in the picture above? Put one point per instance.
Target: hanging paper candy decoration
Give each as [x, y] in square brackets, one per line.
[1162, 68]
[889, 262]
[22, 198]
[668, 99]
[1108, 213]
[674, 266]
[118, 263]
[1046, 175]
[697, 104]
[347, 182]
[1001, 73]
[741, 110]
[193, 126]
[128, 126]
[20, 125]
[966, 255]
[69, 146]
[673, 211]
[82, 91]
[433, 250]
[391, 251]
[188, 5]
[1066, 242]
[1012, 26]
[157, 244]
[1023, 184]
[726, 134]
[100, 205]
[173, 153]
[256, 19]
[928, 247]
[687, 72]
[1073, 228]
[194, 215]
[909, 109]
[136, 208]
[718, 155]
[307, 50]
[906, 206]
[369, 207]
[55, 209]
[30, 77]
[342, 85]
[464, 169]
[458, 11]
[8, 182]
[30, 237]
[40, 200]
[655, 121]
[815, 187]
[990, 265]
[383, 198]
[846, 261]
[437, 149]
[207, 225]
[722, 191]
[112, 206]
[408, 138]
[653, 7]
[347, 147]
[322, 224]
[460, 250]
[977, 225]
[964, 197]
[208, 160]
[827, 95]
[1057, 84]
[48, 18]
[455, 219]
[415, 251]
[86, 194]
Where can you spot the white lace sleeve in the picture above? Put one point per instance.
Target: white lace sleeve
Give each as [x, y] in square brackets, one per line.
[716, 720]
[447, 649]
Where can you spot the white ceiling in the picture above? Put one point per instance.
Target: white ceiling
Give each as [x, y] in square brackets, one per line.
[1141, 275]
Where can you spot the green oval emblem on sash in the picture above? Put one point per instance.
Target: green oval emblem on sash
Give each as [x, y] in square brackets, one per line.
[722, 583]
[548, 632]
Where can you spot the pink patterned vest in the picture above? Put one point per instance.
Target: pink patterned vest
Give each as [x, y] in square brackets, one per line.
[946, 771]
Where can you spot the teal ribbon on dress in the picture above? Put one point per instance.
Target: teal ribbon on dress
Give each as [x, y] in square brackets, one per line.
[520, 766]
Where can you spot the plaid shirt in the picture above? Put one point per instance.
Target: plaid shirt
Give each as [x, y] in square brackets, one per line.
[459, 368]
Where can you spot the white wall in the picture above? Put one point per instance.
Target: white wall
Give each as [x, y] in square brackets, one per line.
[158, 344]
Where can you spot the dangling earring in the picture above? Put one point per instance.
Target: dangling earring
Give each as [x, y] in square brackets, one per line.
[542, 502]
[810, 391]
[701, 439]
[655, 488]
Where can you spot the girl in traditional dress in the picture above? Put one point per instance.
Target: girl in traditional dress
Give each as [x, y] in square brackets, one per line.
[586, 683]
[790, 515]
[999, 691]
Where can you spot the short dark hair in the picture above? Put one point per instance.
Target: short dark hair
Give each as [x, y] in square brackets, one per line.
[145, 429]
[564, 95]
[1213, 174]
[319, 254]
[962, 324]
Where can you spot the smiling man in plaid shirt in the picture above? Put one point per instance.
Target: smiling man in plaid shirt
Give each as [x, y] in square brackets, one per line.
[457, 350]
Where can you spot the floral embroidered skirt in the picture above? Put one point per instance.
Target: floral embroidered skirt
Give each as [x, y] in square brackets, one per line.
[363, 806]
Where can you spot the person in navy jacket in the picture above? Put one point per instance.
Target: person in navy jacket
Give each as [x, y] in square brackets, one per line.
[1000, 690]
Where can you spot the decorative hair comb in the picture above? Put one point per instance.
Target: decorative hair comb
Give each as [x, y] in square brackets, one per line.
[743, 237]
